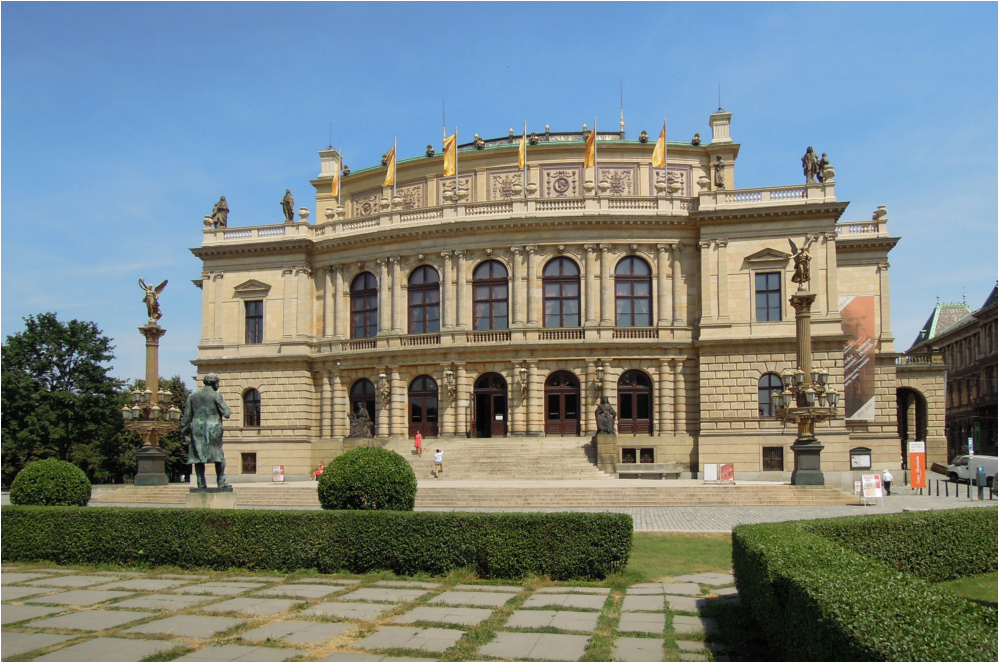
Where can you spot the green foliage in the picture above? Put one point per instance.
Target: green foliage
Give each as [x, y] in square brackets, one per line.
[368, 479]
[561, 546]
[58, 400]
[815, 599]
[50, 482]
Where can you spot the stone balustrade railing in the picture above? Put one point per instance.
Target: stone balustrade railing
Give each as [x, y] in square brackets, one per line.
[852, 229]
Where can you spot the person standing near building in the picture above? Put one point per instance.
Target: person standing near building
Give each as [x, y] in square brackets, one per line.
[418, 443]
[438, 463]
[886, 479]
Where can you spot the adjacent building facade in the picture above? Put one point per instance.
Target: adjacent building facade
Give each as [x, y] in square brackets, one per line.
[508, 301]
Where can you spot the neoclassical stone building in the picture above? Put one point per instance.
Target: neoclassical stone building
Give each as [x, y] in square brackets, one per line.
[509, 301]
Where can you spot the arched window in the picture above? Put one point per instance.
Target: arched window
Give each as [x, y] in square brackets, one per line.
[634, 402]
[362, 393]
[769, 382]
[561, 286]
[251, 408]
[424, 301]
[633, 292]
[489, 283]
[364, 306]
[423, 406]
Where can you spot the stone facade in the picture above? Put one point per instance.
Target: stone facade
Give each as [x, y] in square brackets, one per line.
[659, 309]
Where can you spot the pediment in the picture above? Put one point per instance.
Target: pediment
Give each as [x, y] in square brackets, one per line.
[768, 256]
[252, 288]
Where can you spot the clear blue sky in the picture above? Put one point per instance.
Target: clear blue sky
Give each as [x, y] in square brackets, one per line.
[123, 123]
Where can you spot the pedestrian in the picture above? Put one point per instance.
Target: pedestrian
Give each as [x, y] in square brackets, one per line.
[438, 463]
[886, 479]
[418, 443]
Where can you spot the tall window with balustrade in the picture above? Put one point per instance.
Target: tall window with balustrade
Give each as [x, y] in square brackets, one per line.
[424, 301]
[364, 306]
[490, 290]
[561, 287]
[633, 292]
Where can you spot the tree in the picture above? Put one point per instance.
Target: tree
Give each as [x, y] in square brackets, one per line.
[57, 397]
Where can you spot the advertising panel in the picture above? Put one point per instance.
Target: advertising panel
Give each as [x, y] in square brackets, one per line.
[917, 464]
[857, 312]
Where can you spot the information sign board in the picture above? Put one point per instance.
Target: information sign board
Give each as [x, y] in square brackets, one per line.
[727, 472]
[917, 464]
[872, 486]
[278, 474]
[710, 472]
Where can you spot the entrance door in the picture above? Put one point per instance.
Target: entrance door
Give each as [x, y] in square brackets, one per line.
[423, 406]
[562, 404]
[634, 398]
[490, 406]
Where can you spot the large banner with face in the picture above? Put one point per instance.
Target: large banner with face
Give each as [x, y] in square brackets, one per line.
[857, 312]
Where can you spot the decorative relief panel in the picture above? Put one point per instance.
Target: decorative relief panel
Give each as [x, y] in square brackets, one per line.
[414, 195]
[447, 184]
[623, 180]
[366, 203]
[677, 173]
[500, 183]
[561, 182]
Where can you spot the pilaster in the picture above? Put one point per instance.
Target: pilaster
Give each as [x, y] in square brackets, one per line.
[219, 304]
[722, 245]
[464, 304]
[399, 397]
[303, 301]
[384, 297]
[664, 389]
[679, 397]
[448, 299]
[886, 337]
[288, 305]
[591, 288]
[606, 291]
[341, 304]
[677, 310]
[535, 394]
[207, 308]
[832, 275]
[328, 314]
[463, 394]
[517, 287]
[707, 301]
[532, 285]
[663, 294]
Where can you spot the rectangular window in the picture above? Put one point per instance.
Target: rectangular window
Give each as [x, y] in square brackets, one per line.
[768, 305]
[773, 459]
[249, 464]
[254, 321]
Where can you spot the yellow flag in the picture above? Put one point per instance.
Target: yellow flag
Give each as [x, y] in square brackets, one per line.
[390, 173]
[590, 158]
[522, 153]
[335, 184]
[659, 155]
[450, 154]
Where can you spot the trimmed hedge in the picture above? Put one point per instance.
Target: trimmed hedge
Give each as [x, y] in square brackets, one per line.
[50, 482]
[816, 600]
[561, 546]
[368, 478]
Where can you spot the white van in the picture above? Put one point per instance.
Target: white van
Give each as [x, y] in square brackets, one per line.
[964, 468]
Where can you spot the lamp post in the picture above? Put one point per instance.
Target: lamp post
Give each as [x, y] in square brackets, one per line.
[807, 398]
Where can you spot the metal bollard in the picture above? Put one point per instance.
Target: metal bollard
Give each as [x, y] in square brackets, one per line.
[938, 487]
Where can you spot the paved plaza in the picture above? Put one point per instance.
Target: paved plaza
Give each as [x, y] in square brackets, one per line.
[68, 614]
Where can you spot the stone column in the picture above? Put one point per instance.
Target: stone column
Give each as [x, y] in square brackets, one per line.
[707, 308]
[462, 396]
[328, 315]
[722, 245]
[591, 287]
[384, 297]
[399, 320]
[324, 404]
[400, 397]
[663, 295]
[219, 304]
[535, 394]
[464, 303]
[516, 406]
[884, 297]
[303, 275]
[338, 406]
[609, 387]
[516, 288]
[288, 305]
[606, 288]
[677, 310]
[341, 303]
[665, 416]
[383, 411]
[532, 285]
[207, 308]
[679, 398]
[449, 304]
[445, 407]
[586, 401]
[832, 276]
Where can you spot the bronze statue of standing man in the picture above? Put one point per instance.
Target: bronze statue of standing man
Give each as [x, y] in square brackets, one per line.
[288, 206]
[810, 165]
[201, 429]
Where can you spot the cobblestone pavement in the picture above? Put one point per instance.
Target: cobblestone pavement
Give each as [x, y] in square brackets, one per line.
[372, 619]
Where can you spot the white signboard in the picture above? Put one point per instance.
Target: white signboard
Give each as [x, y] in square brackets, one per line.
[917, 447]
[710, 472]
[872, 486]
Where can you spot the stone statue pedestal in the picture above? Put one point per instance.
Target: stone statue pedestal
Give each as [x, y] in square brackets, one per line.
[605, 446]
[211, 498]
[807, 463]
[151, 467]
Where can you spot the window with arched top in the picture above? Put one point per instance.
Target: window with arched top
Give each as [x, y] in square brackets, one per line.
[633, 292]
[489, 296]
[423, 406]
[560, 281]
[362, 394]
[251, 408]
[424, 301]
[769, 383]
[364, 306]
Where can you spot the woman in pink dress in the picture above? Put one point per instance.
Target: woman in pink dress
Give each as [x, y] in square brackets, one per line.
[418, 444]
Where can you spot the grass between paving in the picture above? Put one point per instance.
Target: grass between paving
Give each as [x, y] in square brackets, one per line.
[983, 588]
[656, 557]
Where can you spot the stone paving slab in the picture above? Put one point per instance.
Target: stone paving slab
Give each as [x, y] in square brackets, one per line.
[406, 584]
[120, 574]
[428, 639]
[536, 646]
[709, 578]
[377, 594]
[491, 599]
[458, 616]
[725, 591]
[90, 620]
[15, 643]
[260, 579]
[688, 656]
[345, 610]
[352, 656]
[298, 632]
[565, 601]
[690, 645]
[651, 603]
[573, 590]
[144, 584]
[18, 613]
[69, 581]
[488, 588]
[249, 605]
[181, 576]
[684, 624]
[566, 620]
[638, 649]
[169, 602]
[685, 603]
[325, 581]
[187, 626]
[644, 588]
[80, 597]
[217, 588]
[313, 591]
[109, 649]
[642, 622]
[15, 593]
[241, 653]
[14, 577]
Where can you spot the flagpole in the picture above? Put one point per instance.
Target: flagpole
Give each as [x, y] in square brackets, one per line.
[665, 160]
[339, 175]
[524, 138]
[395, 164]
[596, 178]
[456, 165]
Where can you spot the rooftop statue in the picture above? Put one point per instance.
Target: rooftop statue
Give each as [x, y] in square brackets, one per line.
[220, 214]
[802, 271]
[823, 164]
[152, 300]
[719, 173]
[696, 140]
[201, 430]
[288, 206]
[606, 416]
[810, 164]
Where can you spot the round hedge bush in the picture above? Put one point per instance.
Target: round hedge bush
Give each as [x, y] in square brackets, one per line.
[368, 479]
[50, 482]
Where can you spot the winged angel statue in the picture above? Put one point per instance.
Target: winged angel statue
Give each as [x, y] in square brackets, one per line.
[152, 300]
[802, 271]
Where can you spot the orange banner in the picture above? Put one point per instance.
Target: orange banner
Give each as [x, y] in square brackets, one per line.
[917, 464]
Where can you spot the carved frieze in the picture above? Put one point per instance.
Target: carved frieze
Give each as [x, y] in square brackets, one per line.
[414, 195]
[447, 184]
[623, 180]
[677, 173]
[366, 203]
[561, 181]
[500, 183]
